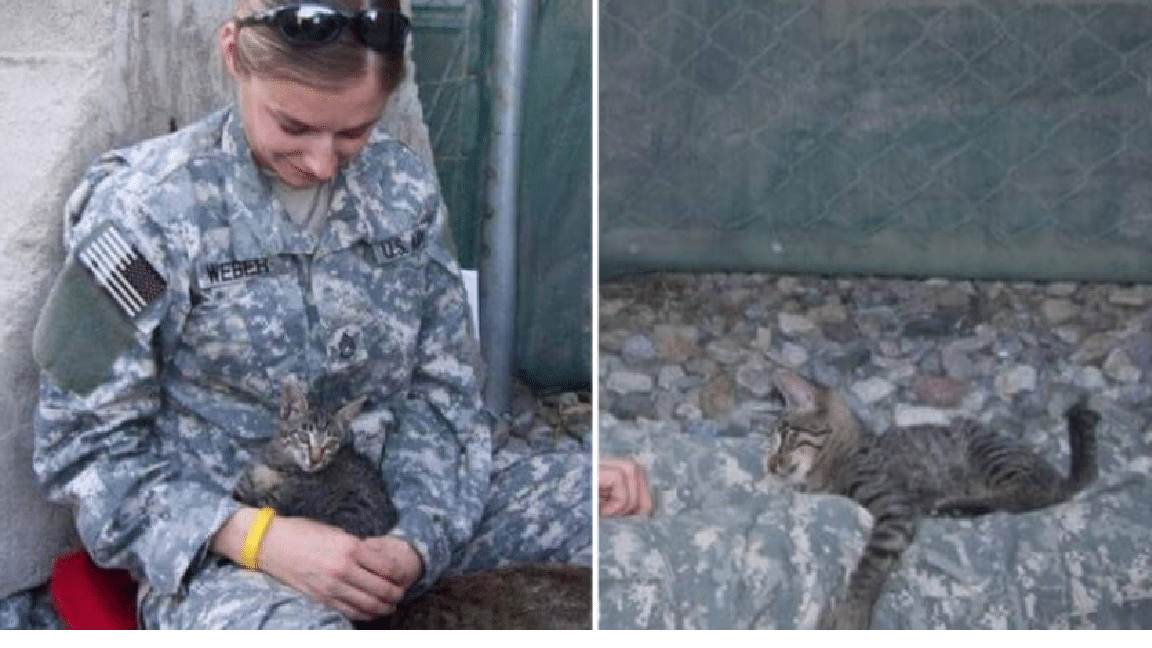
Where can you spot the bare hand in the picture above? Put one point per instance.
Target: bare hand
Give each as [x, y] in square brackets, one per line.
[392, 558]
[362, 579]
[623, 488]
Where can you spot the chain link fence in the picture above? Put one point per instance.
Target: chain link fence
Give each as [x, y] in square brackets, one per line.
[451, 62]
[975, 138]
[453, 53]
[554, 280]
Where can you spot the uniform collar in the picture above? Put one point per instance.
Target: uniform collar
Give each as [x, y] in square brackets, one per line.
[259, 226]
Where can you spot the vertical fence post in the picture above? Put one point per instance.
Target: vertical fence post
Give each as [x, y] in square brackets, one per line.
[498, 255]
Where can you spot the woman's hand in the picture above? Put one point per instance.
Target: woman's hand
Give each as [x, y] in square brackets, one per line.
[623, 488]
[362, 579]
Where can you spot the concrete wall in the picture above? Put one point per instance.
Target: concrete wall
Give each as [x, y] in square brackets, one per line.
[83, 77]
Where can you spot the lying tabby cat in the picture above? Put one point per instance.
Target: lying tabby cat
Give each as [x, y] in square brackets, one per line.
[310, 469]
[956, 470]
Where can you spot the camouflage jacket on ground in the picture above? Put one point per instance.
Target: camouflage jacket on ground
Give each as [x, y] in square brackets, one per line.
[188, 297]
[731, 547]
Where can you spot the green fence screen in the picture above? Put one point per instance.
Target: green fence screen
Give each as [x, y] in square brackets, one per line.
[554, 313]
[970, 138]
[554, 300]
[452, 55]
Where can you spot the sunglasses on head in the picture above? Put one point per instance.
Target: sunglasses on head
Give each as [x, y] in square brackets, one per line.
[308, 24]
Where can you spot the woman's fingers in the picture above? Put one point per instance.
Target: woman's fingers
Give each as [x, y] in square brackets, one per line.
[618, 495]
[379, 588]
[623, 488]
[613, 488]
[358, 603]
[392, 559]
[334, 567]
[644, 492]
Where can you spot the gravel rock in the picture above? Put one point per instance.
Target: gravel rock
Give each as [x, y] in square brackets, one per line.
[755, 377]
[638, 348]
[763, 341]
[873, 390]
[671, 378]
[726, 352]
[792, 325]
[1120, 368]
[793, 355]
[676, 342]
[716, 398]
[1137, 296]
[697, 351]
[1058, 311]
[1020, 378]
[627, 382]
[913, 415]
[939, 392]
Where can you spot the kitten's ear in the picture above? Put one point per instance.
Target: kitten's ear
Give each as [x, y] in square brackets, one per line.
[344, 416]
[293, 404]
[799, 394]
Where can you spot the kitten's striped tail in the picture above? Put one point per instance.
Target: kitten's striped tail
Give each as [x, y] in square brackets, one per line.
[1082, 467]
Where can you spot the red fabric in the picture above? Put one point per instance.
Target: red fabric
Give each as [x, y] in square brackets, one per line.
[89, 597]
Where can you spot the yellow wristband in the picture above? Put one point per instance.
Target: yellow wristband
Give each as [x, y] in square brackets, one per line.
[256, 537]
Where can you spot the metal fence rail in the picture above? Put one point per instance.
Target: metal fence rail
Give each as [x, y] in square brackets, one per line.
[454, 55]
[1006, 138]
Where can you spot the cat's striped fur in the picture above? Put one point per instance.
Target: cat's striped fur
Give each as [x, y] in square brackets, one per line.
[311, 469]
[962, 469]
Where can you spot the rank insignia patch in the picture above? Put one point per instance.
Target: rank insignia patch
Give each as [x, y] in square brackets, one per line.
[123, 273]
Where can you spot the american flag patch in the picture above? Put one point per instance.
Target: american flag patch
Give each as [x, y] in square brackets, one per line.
[122, 272]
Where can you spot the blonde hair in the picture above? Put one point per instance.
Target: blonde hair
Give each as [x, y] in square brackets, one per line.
[260, 51]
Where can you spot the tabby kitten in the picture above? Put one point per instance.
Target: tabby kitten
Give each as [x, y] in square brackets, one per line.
[310, 469]
[961, 469]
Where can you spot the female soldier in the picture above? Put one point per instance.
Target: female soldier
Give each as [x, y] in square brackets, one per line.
[283, 238]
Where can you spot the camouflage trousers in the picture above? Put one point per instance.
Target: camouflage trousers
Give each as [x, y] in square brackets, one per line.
[539, 510]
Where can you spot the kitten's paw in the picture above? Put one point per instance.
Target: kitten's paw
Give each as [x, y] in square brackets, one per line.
[265, 478]
[838, 615]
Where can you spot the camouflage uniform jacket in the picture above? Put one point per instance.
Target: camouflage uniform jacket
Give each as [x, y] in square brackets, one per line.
[188, 297]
